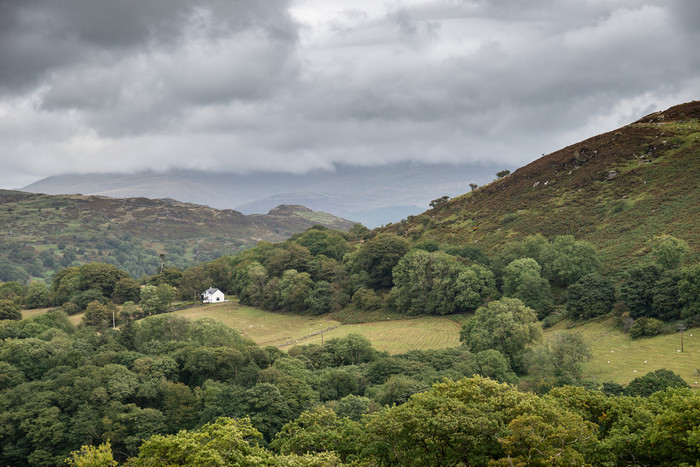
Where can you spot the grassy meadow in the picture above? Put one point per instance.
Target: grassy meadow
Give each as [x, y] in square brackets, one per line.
[619, 358]
[27, 314]
[267, 328]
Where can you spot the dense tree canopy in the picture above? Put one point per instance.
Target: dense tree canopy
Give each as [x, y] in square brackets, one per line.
[506, 325]
[590, 296]
[378, 257]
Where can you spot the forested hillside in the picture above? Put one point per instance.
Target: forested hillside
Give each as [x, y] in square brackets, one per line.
[616, 190]
[43, 233]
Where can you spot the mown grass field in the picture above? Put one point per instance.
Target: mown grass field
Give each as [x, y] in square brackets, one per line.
[267, 328]
[262, 327]
[619, 358]
[75, 319]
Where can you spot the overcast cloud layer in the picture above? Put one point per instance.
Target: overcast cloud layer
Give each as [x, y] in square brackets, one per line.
[284, 85]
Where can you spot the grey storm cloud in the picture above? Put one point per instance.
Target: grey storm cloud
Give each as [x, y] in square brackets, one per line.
[297, 85]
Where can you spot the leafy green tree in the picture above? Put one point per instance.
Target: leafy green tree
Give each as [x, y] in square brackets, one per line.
[366, 300]
[669, 251]
[295, 287]
[166, 295]
[558, 362]
[267, 408]
[180, 406]
[566, 260]
[378, 257]
[65, 284]
[437, 283]
[12, 290]
[170, 275]
[439, 201]
[352, 349]
[194, 281]
[251, 282]
[323, 242]
[100, 276]
[290, 256]
[506, 325]
[473, 421]
[353, 407]
[126, 290]
[84, 298]
[470, 252]
[319, 300]
[637, 290]
[398, 389]
[98, 315]
[569, 352]
[10, 376]
[10, 310]
[653, 382]
[666, 303]
[219, 272]
[319, 430]
[150, 301]
[227, 441]
[522, 280]
[492, 364]
[590, 296]
[689, 292]
[336, 383]
[91, 456]
[37, 296]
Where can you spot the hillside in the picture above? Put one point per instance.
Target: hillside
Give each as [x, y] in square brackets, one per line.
[616, 190]
[45, 232]
[374, 195]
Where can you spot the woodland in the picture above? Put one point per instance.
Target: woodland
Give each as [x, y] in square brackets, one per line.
[132, 384]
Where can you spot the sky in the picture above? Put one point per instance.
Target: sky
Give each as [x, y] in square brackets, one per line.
[298, 85]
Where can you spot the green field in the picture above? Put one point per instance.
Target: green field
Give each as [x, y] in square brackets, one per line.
[267, 328]
[75, 319]
[619, 358]
[616, 356]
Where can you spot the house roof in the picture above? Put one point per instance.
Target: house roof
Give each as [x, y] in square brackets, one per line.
[211, 291]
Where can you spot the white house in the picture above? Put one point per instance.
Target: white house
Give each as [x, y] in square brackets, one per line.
[212, 295]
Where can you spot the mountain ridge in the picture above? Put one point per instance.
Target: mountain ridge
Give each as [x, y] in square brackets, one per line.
[372, 195]
[55, 228]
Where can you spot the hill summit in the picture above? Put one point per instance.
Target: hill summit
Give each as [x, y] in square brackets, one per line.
[616, 190]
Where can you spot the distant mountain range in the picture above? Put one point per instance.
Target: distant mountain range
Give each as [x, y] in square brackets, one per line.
[43, 233]
[373, 196]
[616, 190]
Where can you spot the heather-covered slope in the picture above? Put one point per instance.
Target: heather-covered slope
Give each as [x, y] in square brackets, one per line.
[616, 190]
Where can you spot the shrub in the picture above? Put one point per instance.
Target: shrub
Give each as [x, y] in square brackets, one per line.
[71, 308]
[366, 300]
[654, 381]
[646, 327]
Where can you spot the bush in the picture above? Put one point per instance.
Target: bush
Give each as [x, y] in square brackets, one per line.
[10, 310]
[646, 327]
[551, 320]
[366, 300]
[71, 308]
[654, 381]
